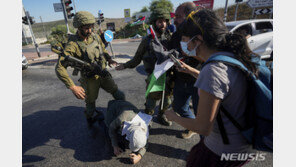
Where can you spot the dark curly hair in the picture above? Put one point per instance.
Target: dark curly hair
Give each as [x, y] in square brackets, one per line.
[216, 36]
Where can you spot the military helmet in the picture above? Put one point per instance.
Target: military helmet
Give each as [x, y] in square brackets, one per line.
[159, 14]
[83, 18]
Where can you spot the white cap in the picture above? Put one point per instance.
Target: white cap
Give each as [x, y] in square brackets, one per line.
[137, 136]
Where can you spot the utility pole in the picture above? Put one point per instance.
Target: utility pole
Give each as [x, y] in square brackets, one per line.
[225, 11]
[235, 15]
[65, 16]
[253, 13]
[43, 27]
[33, 37]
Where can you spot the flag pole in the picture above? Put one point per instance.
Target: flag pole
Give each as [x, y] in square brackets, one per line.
[162, 98]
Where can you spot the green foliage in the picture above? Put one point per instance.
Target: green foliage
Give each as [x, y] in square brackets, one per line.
[144, 9]
[131, 31]
[59, 33]
[162, 4]
[60, 30]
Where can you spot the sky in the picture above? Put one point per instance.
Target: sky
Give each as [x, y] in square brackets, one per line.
[110, 8]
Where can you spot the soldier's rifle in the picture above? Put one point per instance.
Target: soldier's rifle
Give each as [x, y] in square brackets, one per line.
[88, 69]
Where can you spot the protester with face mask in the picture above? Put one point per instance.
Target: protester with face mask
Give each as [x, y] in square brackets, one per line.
[205, 35]
[184, 89]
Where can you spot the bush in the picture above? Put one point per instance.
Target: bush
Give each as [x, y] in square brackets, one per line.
[130, 31]
[59, 33]
[60, 30]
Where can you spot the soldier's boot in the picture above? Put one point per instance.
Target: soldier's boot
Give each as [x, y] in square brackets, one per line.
[90, 120]
[149, 106]
[99, 116]
[89, 112]
[162, 119]
[118, 95]
[149, 112]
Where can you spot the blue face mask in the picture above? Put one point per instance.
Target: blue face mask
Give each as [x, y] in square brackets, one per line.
[184, 46]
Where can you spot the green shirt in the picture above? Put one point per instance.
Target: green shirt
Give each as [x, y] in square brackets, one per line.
[72, 49]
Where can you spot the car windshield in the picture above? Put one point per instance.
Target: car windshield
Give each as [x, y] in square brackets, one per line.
[229, 27]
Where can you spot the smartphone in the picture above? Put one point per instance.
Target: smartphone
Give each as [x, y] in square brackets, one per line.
[175, 60]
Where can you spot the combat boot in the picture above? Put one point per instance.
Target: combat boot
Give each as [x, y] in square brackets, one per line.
[162, 119]
[90, 122]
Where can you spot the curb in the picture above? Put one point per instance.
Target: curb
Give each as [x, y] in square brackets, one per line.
[54, 57]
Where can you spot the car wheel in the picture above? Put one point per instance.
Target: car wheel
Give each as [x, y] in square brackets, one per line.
[271, 57]
[25, 67]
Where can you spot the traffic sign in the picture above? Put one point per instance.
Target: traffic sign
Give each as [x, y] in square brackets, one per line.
[204, 3]
[58, 7]
[108, 35]
[260, 3]
[127, 13]
[263, 11]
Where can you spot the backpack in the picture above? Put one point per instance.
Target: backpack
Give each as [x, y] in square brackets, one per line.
[259, 112]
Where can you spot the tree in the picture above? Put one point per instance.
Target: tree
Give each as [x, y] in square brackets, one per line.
[144, 9]
[59, 33]
[60, 30]
[163, 4]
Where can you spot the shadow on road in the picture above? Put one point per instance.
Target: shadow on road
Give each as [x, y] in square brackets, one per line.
[141, 70]
[45, 63]
[167, 151]
[161, 131]
[124, 160]
[123, 56]
[65, 128]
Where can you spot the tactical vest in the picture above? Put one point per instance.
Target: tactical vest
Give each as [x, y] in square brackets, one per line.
[93, 52]
[149, 58]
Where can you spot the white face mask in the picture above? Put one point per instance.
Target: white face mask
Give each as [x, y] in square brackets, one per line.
[184, 46]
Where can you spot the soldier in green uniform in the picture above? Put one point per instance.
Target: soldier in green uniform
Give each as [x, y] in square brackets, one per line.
[125, 131]
[87, 46]
[159, 19]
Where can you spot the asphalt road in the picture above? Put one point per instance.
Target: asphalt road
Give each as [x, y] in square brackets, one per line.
[54, 128]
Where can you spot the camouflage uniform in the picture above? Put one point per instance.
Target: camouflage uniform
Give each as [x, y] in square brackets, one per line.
[90, 50]
[145, 54]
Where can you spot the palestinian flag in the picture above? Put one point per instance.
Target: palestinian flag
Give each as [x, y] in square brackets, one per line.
[139, 21]
[158, 77]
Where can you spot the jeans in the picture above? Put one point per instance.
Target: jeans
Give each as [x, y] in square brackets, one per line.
[183, 92]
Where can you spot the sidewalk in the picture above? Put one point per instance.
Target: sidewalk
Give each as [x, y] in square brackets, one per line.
[52, 57]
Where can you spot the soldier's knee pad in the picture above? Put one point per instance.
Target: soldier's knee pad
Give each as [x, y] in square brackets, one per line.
[119, 95]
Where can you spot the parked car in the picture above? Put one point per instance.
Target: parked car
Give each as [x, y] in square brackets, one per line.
[25, 63]
[136, 36]
[259, 34]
